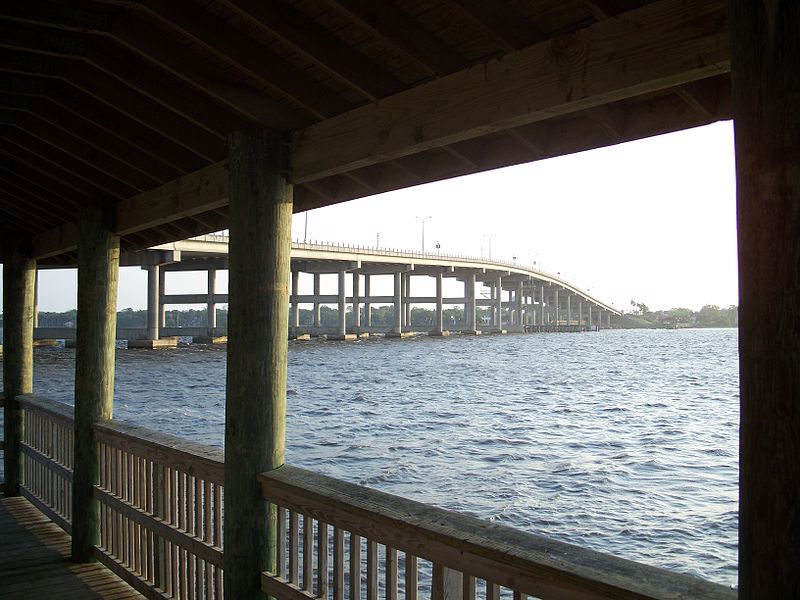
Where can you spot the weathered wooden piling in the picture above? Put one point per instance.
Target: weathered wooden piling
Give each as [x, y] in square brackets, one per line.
[19, 276]
[98, 272]
[260, 246]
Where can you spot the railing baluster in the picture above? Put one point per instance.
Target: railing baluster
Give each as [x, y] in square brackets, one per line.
[372, 570]
[338, 563]
[492, 591]
[355, 567]
[391, 573]
[308, 553]
[322, 559]
[294, 554]
[468, 585]
[280, 562]
[411, 577]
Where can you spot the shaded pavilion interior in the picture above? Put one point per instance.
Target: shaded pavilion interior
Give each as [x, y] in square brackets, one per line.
[127, 124]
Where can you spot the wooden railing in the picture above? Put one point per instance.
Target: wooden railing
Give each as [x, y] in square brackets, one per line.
[413, 548]
[162, 498]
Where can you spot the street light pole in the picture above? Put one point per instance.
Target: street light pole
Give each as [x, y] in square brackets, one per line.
[489, 236]
[423, 219]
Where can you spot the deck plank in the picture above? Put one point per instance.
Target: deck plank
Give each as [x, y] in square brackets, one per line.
[34, 560]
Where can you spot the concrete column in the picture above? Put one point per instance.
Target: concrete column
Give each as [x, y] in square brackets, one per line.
[519, 295]
[609, 320]
[406, 302]
[556, 307]
[317, 316]
[152, 302]
[541, 305]
[765, 52]
[18, 285]
[471, 309]
[295, 317]
[212, 306]
[342, 304]
[569, 309]
[499, 303]
[398, 303]
[580, 313]
[98, 273]
[356, 302]
[260, 213]
[367, 305]
[162, 289]
[439, 304]
[590, 314]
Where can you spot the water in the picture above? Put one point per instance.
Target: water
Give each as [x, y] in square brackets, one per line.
[621, 441]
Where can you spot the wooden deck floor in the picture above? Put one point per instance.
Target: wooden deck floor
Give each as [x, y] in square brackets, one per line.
[34, 560]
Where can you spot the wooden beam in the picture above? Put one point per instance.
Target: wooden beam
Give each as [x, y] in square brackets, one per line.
[124, 97]
[766, 99]
[56, 116]
[56, 241]
[509, 28]
[189, 195]
[609, 61]
[248, 56]
[320, 46]
[55, 135]
[404, 33]
[141, 38]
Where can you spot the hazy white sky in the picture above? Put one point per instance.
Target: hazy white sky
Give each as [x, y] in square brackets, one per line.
[652, 221]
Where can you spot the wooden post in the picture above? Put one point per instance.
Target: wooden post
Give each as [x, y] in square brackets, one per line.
[765, 53]
[98, 270]
[255, 411]
[18, 282]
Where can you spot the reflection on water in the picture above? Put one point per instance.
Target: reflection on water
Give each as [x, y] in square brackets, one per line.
[622, 441]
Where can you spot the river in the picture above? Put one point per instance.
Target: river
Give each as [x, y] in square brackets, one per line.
[624, 441]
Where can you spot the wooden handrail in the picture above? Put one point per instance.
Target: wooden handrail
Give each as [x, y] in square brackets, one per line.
[171, 451]
[527, 563]
[57, 410]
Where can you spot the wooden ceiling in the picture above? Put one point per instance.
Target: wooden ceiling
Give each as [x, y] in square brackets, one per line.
[130, 101]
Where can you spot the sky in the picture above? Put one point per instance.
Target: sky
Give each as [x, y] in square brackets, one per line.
[652, 221]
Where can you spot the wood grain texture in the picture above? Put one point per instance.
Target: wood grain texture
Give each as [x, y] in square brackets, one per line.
[98, 272]
[521, 561]
[663, 44]
[766, 101]
[258, 317]
[19, 274]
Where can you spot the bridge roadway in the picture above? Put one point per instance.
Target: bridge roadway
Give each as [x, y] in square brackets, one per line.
[520, 298]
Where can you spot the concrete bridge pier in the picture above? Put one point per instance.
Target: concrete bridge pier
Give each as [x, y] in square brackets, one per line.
[211, 311]
[470, 307]
[541, 305]
[341, 334]
[590, 316]
[317, 316]
[498, 307]
[357, 305]
[569, 310]
[397, 330]
[367, 305]
[406, 301]
[556, 307]
[580, 313]
[153, 338]
[439, 331]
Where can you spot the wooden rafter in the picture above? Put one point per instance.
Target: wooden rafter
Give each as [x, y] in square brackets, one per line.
[508, 28]
[405, 34]
[525, 87]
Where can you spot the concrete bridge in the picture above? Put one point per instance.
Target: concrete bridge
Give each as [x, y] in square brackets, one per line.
[519, 297]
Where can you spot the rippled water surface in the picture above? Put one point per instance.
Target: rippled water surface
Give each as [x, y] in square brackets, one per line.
[622, 441]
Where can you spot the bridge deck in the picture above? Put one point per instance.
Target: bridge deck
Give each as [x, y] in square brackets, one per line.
[34, 560]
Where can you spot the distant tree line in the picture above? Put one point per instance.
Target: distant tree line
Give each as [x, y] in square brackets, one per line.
[710, 315]
[382, 316]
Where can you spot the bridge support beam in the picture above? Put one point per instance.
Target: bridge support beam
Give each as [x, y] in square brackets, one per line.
[569, 310]
[98, 273]
[580, 313]
[590, 315]
[541, 305]
[520, 322]
[162, 290]
[397, 330]
[295, 318]
[18, 285]
[260, 214]
[470, 308]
